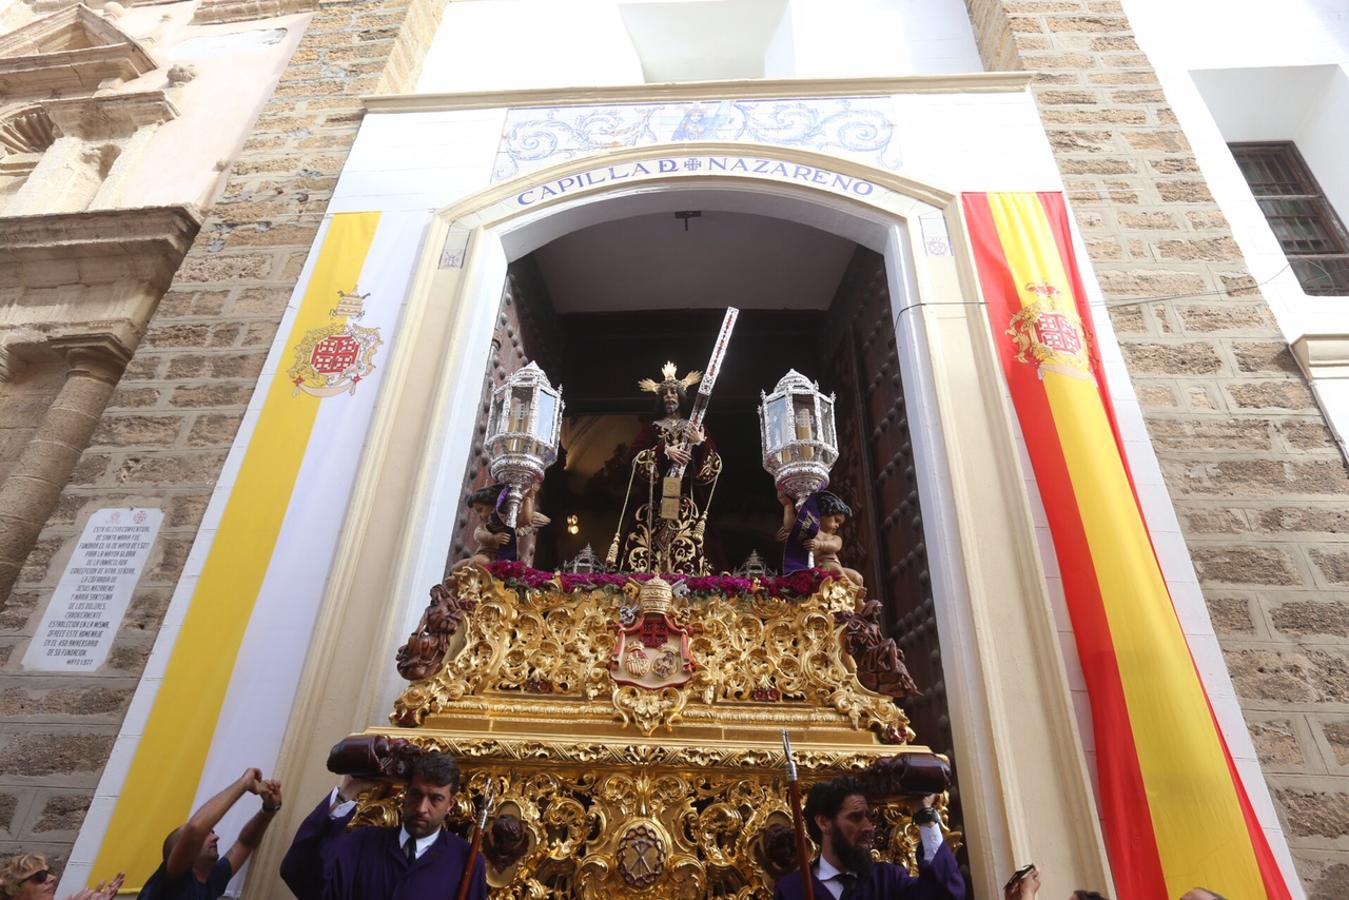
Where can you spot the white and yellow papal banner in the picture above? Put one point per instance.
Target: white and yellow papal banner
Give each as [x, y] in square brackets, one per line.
[265, 546]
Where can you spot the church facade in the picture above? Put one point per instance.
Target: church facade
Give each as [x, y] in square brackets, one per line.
[265, 262]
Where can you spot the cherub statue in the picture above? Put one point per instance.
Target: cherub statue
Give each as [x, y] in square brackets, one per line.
[825, 543]
[495, 539]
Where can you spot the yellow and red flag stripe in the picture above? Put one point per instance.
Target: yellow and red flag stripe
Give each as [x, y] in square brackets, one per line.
[1175, 812]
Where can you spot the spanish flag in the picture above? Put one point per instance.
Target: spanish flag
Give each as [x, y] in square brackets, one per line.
[1175, 812]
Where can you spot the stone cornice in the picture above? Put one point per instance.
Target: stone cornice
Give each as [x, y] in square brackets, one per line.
[101, 355]
[1323, 355]
[213, 12]
[749, 89]
[164, 231]
[26, 70]
[72, 69]
[110, 116]
[124, 259]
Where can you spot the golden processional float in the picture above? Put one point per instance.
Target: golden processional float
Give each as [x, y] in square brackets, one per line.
[626, 727]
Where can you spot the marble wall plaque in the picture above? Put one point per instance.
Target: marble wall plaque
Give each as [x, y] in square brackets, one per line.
[78, 628]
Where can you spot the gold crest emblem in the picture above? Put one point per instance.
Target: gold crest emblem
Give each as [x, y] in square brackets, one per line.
[653, 652]
[1047, 333]
[334, 359]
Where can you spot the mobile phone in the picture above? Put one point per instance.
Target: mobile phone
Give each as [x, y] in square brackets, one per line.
[1017, 876]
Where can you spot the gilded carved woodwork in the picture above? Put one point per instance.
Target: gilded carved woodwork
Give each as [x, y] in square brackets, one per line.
[761, 657]
[600, 821]
[621, 773]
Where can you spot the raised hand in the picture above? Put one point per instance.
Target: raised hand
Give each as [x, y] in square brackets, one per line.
[251, 780]
[270, 792]
[104, 890]
[352, 787]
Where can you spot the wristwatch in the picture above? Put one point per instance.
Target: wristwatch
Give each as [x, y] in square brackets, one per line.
[926, 816]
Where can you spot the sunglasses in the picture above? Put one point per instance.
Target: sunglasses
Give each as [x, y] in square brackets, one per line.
[38, 877]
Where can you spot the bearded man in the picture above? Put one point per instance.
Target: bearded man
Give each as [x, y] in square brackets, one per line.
[838, 818]
[671, 456]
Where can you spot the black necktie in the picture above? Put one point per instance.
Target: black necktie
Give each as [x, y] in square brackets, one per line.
[410, 850]
[850, 888]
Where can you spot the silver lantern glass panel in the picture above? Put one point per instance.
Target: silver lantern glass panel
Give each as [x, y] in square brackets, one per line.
[796, 429]
[523, 426]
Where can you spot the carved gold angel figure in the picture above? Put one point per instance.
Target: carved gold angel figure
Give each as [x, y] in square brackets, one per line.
[666, 532]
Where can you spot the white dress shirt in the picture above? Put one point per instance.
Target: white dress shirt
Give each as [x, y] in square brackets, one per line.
[930, 834]
[337, 808]
[828, 876]
[423, 843]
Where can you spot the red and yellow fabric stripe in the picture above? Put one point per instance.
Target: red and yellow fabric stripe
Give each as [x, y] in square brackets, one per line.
[1175, 812]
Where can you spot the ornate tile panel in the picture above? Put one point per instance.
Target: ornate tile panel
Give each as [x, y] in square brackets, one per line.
[858, 128]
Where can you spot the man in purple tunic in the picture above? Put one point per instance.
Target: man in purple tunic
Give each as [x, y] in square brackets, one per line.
[326, 861]
[838, 820]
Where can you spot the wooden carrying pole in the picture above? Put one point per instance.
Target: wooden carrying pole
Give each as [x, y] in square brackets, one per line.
[476, 847]
[798, 821]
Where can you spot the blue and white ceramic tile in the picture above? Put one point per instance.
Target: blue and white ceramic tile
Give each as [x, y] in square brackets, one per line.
[857, 128]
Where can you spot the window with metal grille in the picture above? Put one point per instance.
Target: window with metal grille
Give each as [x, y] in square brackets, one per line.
[1312, 235]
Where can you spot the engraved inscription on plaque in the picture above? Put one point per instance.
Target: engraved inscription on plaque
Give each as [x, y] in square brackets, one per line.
[78, 628]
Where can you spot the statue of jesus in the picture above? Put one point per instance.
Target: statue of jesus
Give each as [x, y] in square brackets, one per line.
[666, 533]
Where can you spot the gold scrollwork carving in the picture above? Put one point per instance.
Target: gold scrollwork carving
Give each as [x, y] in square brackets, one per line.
[752, 655]
[640, 833]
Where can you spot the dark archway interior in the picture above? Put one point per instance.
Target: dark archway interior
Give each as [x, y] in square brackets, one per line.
[603, 355]
[604, 307]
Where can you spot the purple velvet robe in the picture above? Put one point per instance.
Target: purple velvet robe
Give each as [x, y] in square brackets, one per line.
[328, 862]
[938, 879]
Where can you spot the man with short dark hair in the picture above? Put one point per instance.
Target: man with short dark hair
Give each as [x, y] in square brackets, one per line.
[193, 868]
[838, 818]
[417, 859]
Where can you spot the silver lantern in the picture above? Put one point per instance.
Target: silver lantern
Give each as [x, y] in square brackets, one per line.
[796, 428]
[522, 433]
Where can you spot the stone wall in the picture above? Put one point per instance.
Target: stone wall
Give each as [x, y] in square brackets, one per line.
[1260, 487]
[170, 422]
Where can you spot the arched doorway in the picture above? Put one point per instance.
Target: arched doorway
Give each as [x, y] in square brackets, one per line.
[994, 630]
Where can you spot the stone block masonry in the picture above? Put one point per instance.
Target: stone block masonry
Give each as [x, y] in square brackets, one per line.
[1259, 485]
[172, 417]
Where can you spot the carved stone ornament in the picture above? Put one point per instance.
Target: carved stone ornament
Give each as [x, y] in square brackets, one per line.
[72, 50]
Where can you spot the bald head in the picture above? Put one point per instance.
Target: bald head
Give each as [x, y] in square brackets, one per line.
[207, 854]
[1200, 893]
